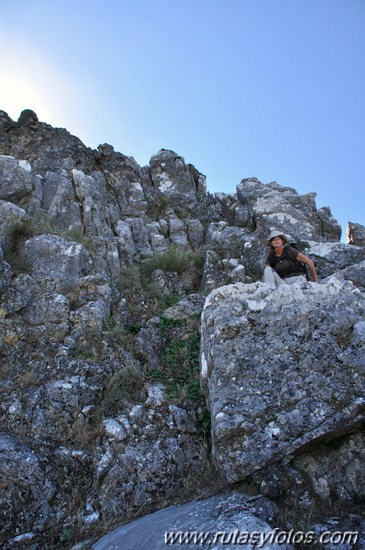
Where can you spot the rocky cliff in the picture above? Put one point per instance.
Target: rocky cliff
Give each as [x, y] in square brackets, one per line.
[142, 361]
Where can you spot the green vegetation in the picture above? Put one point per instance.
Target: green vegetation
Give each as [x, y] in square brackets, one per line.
[79, 235]
[180, 364]
[158, 206]
[174, 259]
[127, 384]
[16, 235]
[180, 371]
[142, 297]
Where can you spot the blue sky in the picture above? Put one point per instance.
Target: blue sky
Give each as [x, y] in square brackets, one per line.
[267, 88]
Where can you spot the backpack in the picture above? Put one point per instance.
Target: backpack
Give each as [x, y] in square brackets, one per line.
[297, 262]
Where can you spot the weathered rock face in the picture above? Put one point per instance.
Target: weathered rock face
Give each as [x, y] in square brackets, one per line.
[274, 206]
[151, 443]
[330, 257]
[282, 368]
[44, 147]
[212, 519]
[355, 234]
[171, 175]
[23, 479]
[104, 269]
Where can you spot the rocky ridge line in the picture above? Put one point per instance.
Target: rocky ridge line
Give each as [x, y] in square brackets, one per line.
[104, 270]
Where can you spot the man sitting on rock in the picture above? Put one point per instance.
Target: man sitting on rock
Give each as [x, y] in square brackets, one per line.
[285, 264]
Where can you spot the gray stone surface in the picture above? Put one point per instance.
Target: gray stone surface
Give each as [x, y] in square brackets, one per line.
[355, 234]
[148, 455]
[221, 521]
[99, 387]
[274, 206]
[54, 261]
[171, 175]
[281, 368]
[22, 479]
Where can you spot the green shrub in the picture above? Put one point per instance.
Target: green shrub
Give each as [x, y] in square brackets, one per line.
[17, 233]
[127, 384]
[89, 345]
[181, 363]
[174, 259]
[79, 235]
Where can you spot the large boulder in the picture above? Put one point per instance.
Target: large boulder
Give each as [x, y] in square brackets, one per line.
[331, 257]
[59, 202]
[124, 179]
[18, 184]
[230, 519]
[281, 368]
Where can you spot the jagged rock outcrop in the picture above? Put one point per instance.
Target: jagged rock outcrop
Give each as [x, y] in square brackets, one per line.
[355, 234]
[171, 175]
[331, 257]
[104, 269]
[281, 207]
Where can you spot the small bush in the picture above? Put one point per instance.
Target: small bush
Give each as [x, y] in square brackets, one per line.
[18, 232]
[174, 259]
[126, 384]
[79, 235]
[181, 363]
[90, 345]
[157, 206]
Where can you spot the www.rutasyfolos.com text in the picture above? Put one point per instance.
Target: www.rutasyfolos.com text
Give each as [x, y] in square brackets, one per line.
[261, 538]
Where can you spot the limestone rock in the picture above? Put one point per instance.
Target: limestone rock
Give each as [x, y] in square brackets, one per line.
[171, 175]
[330, 257]
[125, 180]
[212, 518]
[23, 478]
[156, 455]
[148, 344]
[46, 149]
[89, 432]
[356, 274]
[280, 369]
[15, 179]
[10, 216]
[54, 261]
[59, 202]
[5, 273]
[273, 206]
[355, 234]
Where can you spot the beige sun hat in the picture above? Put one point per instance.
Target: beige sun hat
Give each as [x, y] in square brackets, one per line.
[276, 233]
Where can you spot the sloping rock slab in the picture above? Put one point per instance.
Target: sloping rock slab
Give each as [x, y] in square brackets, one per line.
[219, 521]
[281, 368]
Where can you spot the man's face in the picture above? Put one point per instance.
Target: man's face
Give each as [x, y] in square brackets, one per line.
[277, 241]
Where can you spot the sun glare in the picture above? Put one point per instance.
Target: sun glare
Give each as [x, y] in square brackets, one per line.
[19, 92]
[33, 79]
